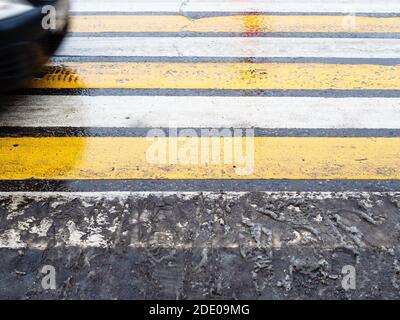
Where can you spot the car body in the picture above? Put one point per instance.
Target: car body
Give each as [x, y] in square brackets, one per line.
[26, 38]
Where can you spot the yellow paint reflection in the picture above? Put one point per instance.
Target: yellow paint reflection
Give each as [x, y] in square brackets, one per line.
[237, 23]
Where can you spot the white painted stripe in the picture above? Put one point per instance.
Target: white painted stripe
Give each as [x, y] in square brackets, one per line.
[371, 6]
[197, 112]
[19, 197]
[231, 47]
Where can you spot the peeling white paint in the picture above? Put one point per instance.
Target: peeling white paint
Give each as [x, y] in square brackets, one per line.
[180, 6]
[22, 196]
[99, 231]
[297, 238]
[11, 239]
[42, 229]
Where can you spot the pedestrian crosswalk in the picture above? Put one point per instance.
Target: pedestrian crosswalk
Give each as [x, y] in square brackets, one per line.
[218, 76]
[326, 76]
[256, 6]
[193, 158]
[165, 136]
[228, 49]
[262, 113]
[248, 25]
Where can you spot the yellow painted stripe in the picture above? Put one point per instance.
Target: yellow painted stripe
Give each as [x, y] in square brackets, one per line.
[128, 158]
[303, 76]
[240, 23]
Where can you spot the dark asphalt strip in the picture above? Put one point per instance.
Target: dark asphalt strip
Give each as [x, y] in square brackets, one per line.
[144, 132]
[212, 92]
[183, 185]
[122, 272]
[240, 34]
[331, 60]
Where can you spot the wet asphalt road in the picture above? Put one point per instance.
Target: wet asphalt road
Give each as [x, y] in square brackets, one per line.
[200, 246]
[308, 187]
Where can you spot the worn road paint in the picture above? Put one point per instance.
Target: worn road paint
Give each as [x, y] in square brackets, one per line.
[209, 47]
[200, 112]
[237, 23]
[179, 6]
[265, 158]
[246, 76]
[24, 229]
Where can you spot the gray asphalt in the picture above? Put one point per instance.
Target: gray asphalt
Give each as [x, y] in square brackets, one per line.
[197, 246]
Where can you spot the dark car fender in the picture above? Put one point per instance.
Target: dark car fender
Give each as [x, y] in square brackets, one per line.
[25, 45]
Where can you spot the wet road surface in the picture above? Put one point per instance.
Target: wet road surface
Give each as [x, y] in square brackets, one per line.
[192, 149]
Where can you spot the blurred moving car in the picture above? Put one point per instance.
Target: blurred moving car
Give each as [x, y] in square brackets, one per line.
[30, 32]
